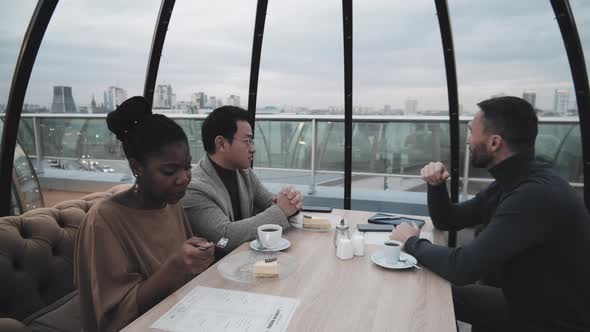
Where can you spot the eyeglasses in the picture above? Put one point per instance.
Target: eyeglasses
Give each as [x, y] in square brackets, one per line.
[248, 141]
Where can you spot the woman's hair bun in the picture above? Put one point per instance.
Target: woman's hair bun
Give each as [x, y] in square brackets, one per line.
[130, 113]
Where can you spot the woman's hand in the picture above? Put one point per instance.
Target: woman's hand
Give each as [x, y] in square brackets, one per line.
[196, 255]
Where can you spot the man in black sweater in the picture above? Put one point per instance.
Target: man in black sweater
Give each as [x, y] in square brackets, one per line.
[536, 235]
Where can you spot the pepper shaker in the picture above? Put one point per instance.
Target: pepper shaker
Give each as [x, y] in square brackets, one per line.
[342, 232]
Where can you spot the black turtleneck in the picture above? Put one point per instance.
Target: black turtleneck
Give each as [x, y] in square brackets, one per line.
[536, 239]
[228, 177]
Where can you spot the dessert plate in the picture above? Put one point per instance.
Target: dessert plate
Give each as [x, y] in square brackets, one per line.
[406, 261]
[240, 266]
[282, 245]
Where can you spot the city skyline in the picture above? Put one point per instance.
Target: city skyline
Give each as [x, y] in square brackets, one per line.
[397, 51]
[165, 101]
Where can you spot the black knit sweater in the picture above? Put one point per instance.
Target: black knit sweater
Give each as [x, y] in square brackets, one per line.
[536, 239]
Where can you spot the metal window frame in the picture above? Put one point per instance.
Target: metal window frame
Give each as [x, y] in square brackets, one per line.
[347, 15]
[446, 34]
[166, 8]
[575, 55]
[257, 39]
[45, 8]
[18, 89]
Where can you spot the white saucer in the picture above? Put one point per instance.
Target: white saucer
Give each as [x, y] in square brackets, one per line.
[282, 245]
[380, 259]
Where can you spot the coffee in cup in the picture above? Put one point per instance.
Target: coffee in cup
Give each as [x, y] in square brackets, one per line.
[392, 250]
[269, 235]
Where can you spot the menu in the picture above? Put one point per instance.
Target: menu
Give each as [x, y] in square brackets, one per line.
[213, 309]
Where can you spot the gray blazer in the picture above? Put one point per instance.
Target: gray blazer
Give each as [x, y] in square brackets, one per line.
[209, 210]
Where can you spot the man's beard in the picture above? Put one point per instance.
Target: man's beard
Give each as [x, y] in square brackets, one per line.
[480, 158]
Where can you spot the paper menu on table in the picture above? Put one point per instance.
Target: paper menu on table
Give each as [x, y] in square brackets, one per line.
[216, 310]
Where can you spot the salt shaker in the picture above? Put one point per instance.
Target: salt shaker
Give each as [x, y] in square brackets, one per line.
[358, 244]
[344, 249]
[341, 232]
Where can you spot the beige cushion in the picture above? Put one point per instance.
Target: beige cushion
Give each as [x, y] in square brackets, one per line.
[61, 316]
[36, 255]
[36, 252]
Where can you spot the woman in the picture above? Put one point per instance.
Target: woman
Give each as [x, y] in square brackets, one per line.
[136, 247]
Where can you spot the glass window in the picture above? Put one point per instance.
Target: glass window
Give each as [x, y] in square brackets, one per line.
[283, 151]
[398, 60]
[205, 62]
[301, 72]
[301, 69]
[25, 193]
[399, 84]
[192, 128]
[93, 56]
[581, 10]
[558, 143]
[514, 48]
[206, 58]
[15, 19]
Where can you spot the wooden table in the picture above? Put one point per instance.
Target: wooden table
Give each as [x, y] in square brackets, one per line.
[337, 295]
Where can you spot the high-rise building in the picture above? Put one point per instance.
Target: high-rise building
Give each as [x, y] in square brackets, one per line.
[93, 108]
[113, 97]
[212, 102]
[411, 106]
[200, 99]
[530, 96]
[233, 100]
[97, 109]
[63, 101]
[163, 97]
[561, 101]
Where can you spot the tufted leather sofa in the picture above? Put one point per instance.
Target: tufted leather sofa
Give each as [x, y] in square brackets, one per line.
[37, 291]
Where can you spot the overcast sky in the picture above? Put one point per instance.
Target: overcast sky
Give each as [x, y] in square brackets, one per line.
[502, 46]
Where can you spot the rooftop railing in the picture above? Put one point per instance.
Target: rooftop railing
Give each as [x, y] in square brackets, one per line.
[302, 149]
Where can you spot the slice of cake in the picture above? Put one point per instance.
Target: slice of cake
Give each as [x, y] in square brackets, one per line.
[316, 222]
[267, 268]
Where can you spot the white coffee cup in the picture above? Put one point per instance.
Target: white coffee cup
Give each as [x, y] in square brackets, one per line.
[269, 235]
[392, 250]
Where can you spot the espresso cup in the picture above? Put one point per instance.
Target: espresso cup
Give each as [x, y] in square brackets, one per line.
[269, 235]
[392, 251]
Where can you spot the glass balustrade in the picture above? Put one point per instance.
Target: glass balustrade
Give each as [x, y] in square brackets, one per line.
[26, 191]
[387, 153]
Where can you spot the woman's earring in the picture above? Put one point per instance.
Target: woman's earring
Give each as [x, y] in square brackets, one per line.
[136, 188]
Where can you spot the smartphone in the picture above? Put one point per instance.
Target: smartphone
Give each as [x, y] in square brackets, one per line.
[315, 208]
[374, 228]
[395, 220]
